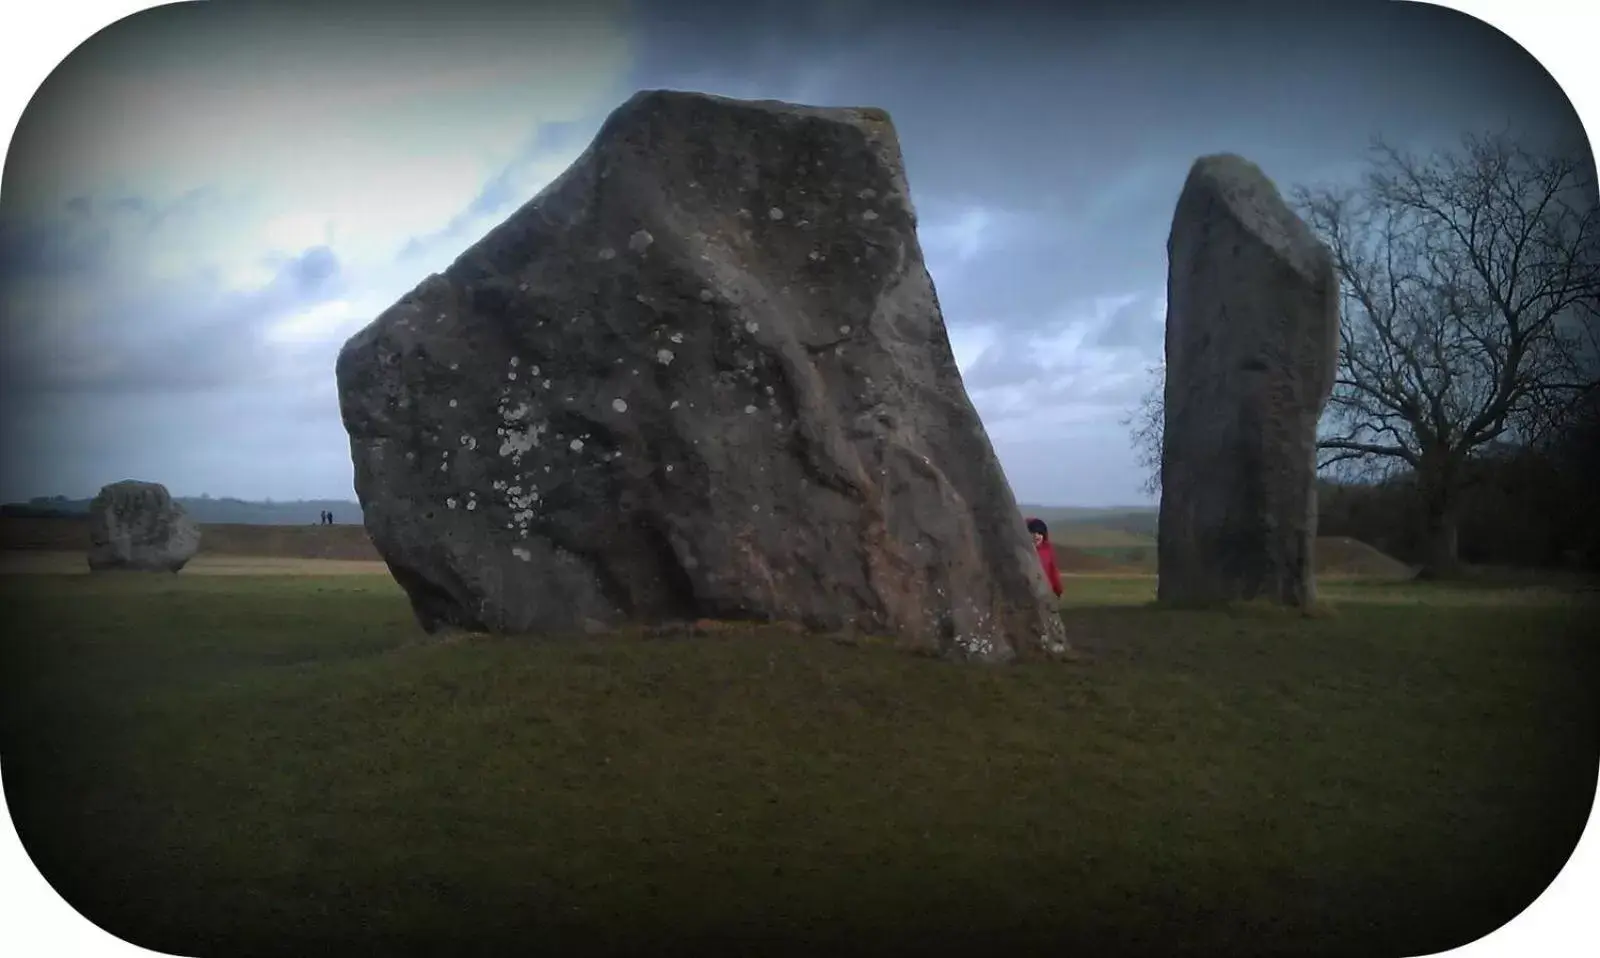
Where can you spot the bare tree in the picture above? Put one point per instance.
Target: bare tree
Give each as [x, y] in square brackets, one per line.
[1144, 424]
[1470, 285]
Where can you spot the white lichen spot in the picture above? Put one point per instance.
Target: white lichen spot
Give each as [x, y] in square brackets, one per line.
[454, 366]
[669, 467]
[675, 404]
[813, 256]
[545, 384]
[515, 360]
[522, 287]
[751, 326]
[444, 466]
[869, 216]
[451, 502]
[755, 508]
[844, 330]
[533, 370]
[517, 413]
[664, 357]
[411, 457]
[867, 193]
[608, 253]
[640, 241]
[620, 405]
[472, 504]
[774, 214]
[575, 445]
[749, 410]
[519, 551]
[676, 338]
[705, 296]
[452, 404]
[512, 374]
[769, 390]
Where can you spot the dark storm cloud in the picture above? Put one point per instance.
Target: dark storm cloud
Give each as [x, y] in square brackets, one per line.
[181, 338]
[502, 193]
[76, 240]
[1136, 325]
[1079, 121]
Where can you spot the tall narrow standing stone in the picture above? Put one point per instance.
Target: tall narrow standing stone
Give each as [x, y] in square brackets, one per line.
[1251, 350]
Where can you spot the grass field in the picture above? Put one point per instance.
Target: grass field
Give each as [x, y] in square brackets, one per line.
[275, 765]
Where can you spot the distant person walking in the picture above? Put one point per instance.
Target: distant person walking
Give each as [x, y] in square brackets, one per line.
[1047, 553]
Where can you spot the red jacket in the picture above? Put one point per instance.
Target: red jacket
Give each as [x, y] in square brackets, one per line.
[1047, 558]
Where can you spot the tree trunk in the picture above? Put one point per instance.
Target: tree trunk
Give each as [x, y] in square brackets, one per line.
[1441, 553]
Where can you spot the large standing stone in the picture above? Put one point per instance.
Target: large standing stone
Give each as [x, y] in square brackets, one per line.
[137, 526]
[1252, 345]
[703, 374]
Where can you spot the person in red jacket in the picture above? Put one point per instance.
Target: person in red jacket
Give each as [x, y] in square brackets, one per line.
[1047, 553]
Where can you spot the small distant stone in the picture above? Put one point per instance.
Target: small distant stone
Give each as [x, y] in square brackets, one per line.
[620, 405]
[575, 445]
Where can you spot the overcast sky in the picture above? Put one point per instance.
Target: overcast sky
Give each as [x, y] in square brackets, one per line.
[205, 200]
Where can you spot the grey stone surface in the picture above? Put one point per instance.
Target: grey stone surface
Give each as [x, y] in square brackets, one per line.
[1251, 349]
[703, 374]
[136, 526]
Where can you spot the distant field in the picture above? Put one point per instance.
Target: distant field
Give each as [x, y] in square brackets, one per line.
[345, 542]
[276, 765]
[40, 562]
[57, 545]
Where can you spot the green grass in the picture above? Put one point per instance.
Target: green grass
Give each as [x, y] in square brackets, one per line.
[233, 766]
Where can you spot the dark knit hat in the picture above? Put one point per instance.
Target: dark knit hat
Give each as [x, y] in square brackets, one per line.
[1037, 525]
